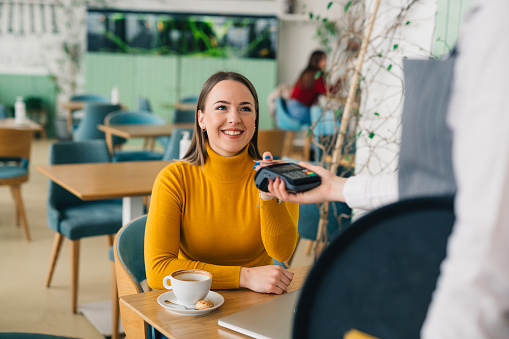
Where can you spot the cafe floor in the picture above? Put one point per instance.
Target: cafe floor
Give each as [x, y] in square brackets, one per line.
[26, 305]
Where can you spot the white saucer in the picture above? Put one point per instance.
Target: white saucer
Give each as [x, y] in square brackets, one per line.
[216, 298]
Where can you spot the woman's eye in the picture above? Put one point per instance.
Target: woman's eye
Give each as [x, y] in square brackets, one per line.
[221, 108]
[246, 109]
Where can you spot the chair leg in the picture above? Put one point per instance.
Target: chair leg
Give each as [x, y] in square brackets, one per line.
[57, 245]
[307, 148]
[115, 302]
[75, 260]
[16, 190]
[114, 294]
[309, 245]
[16, 207]
[288, 143]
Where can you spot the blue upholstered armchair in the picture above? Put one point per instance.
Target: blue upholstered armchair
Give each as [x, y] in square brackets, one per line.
[73, 218]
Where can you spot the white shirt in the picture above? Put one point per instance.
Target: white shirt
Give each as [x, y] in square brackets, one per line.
[472, 295]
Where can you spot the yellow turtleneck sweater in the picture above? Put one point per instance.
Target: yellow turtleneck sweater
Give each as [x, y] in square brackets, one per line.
[208, 218]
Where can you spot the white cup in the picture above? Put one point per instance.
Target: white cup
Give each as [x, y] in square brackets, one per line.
[189, 286]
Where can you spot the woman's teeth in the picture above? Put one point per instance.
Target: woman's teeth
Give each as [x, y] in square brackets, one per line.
[232, 132]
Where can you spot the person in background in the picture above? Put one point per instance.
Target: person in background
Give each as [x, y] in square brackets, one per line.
[206, 212]
[308, 87]
[471, 300]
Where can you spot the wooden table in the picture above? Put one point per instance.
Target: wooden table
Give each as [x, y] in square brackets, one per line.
[128, 131]
[127, 180]
[203, 326]
[27, 125]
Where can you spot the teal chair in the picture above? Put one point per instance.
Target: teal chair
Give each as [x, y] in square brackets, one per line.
[3, 111]
[77, 115]
[134, 117]
[185, 115]
[284, 120]
[15, 148]
[143, 104]
[95, 113]
[172, 151]
[74, 219]
[130, 272]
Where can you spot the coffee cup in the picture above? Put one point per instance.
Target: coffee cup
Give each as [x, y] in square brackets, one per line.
[189, 286]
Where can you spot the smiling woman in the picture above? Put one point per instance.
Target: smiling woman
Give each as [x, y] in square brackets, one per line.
[206, 212]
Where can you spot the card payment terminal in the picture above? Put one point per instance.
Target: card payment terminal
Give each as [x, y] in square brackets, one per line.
[297, 178]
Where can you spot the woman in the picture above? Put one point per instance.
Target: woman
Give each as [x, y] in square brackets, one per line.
[308, 87]
[206, 212]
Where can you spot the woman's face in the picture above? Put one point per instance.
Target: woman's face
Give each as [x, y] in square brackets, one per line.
[229, 117]
[323, 62]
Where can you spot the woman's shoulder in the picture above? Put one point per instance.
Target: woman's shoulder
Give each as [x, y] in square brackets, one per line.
[177, 168]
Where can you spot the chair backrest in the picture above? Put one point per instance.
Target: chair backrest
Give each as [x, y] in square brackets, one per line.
[71, 152]
[143, 104]
[188, 114]
[133, 117]
[95, 113]
[3, 111]
[90, 97]
[172, 150]
[130, 271]
[283, 119]
[272, 140]
[15, 144]
[379, 275]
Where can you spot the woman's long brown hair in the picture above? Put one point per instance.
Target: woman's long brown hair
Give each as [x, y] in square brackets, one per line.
[307, 77]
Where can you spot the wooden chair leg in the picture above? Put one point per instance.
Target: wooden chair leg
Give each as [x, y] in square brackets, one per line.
[16, 191]
[16, 207]
[57, 245]
[115, 302]
[288, 143]
[307, 147]
[309, 245]
[75, 258]
[114, 294]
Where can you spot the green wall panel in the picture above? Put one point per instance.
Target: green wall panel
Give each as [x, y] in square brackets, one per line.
[448, 23]
[165, 80]
[194, 71]
[155, 78]
[14, 85]
[263, 75]
[103, 71]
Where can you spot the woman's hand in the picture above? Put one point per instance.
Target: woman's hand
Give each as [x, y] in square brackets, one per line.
[265, 279]
[331, 188]
[267, 158]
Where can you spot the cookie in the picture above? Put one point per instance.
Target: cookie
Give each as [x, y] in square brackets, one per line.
[203, 304]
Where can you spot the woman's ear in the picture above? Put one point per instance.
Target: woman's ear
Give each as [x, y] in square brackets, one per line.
[201, 116]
